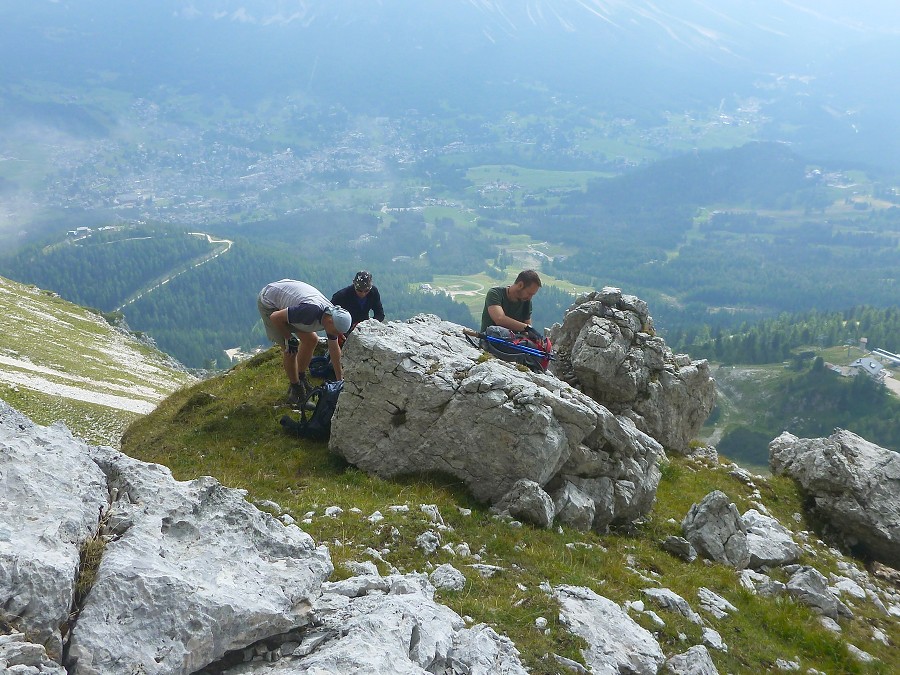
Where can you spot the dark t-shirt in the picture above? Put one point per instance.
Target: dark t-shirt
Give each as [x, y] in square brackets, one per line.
[520, 311]
[359, 308]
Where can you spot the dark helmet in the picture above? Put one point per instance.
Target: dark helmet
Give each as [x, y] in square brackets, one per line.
[362, 281]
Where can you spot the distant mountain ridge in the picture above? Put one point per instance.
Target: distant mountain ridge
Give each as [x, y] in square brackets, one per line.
[818, 69]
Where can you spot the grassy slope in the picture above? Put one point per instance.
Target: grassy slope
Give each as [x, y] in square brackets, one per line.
[59, 361]
[228, 427]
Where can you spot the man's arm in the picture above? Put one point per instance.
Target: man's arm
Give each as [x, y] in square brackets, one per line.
[376, 304]
[498, 316]
[334, 350]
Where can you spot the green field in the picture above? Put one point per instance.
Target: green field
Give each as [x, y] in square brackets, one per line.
[531, 179]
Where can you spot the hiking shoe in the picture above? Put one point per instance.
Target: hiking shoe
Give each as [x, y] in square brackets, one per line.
[297, 392]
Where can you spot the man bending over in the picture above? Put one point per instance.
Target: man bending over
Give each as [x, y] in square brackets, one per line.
[292, 311]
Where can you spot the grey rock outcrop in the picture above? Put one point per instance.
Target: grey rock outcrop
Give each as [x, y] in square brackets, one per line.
[680, 548]
[764, 585]
[695, 661]
[573, 507]
[607, 347]
[616, 642]
[526, 501]
[418, 397]
[770, 542]
[808, 586]
[715, 528]
[714, 603]
[52, 498]
[391, 625]
[854, 486]
[668, 599]
[19, 656]
[174, 546]
[167, 596]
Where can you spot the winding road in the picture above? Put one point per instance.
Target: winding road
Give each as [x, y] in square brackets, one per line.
[202, 260]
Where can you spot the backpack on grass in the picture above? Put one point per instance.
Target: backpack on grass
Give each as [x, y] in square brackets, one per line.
[315, 412]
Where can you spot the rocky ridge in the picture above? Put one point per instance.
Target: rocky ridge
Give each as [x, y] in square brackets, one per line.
[608, 348]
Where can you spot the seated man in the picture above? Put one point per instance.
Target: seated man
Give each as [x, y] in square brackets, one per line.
[293, 309]
[360, 298]
[510, 306]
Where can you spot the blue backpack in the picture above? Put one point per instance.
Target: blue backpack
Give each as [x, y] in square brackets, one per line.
[315, 413]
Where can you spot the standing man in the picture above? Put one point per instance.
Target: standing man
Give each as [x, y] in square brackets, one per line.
[360, 298]
[510, 306]
[293, 309]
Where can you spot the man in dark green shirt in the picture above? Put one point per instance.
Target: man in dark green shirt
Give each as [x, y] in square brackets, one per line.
[510, 306]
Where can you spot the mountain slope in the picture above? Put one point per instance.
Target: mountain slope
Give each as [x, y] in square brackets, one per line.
[228, 427]
[59, 361]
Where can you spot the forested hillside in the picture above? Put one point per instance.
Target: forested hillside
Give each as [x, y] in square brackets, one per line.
[102, 270]
[779, 339]
[810, 402]
[771, 377]
[719, 238]
[207, 304]
[214, 308]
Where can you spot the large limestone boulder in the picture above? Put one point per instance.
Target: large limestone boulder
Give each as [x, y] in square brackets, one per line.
[715, 529]
[187, 572]
[418, 397]
[606, 346]
[169, 592]
[616, 643]
[854, 486]
[51, 498]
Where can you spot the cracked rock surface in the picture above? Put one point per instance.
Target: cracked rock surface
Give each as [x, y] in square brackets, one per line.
[418, 397]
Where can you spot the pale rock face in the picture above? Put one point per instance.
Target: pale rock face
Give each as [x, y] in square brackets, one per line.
[755, 582]
[809, 586]
[392, 627]
[447, 577]
[695, 661]
[714, 527]
[529, 503]
[854, 486]
[668, 599]
[606, 347]
[714, 603]
[770, 543]
[573, 507]
[680, 547]
[616, 642]
[418, 397]
[51, 499]
[189, 571]
[176, 547]
[19, 656]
